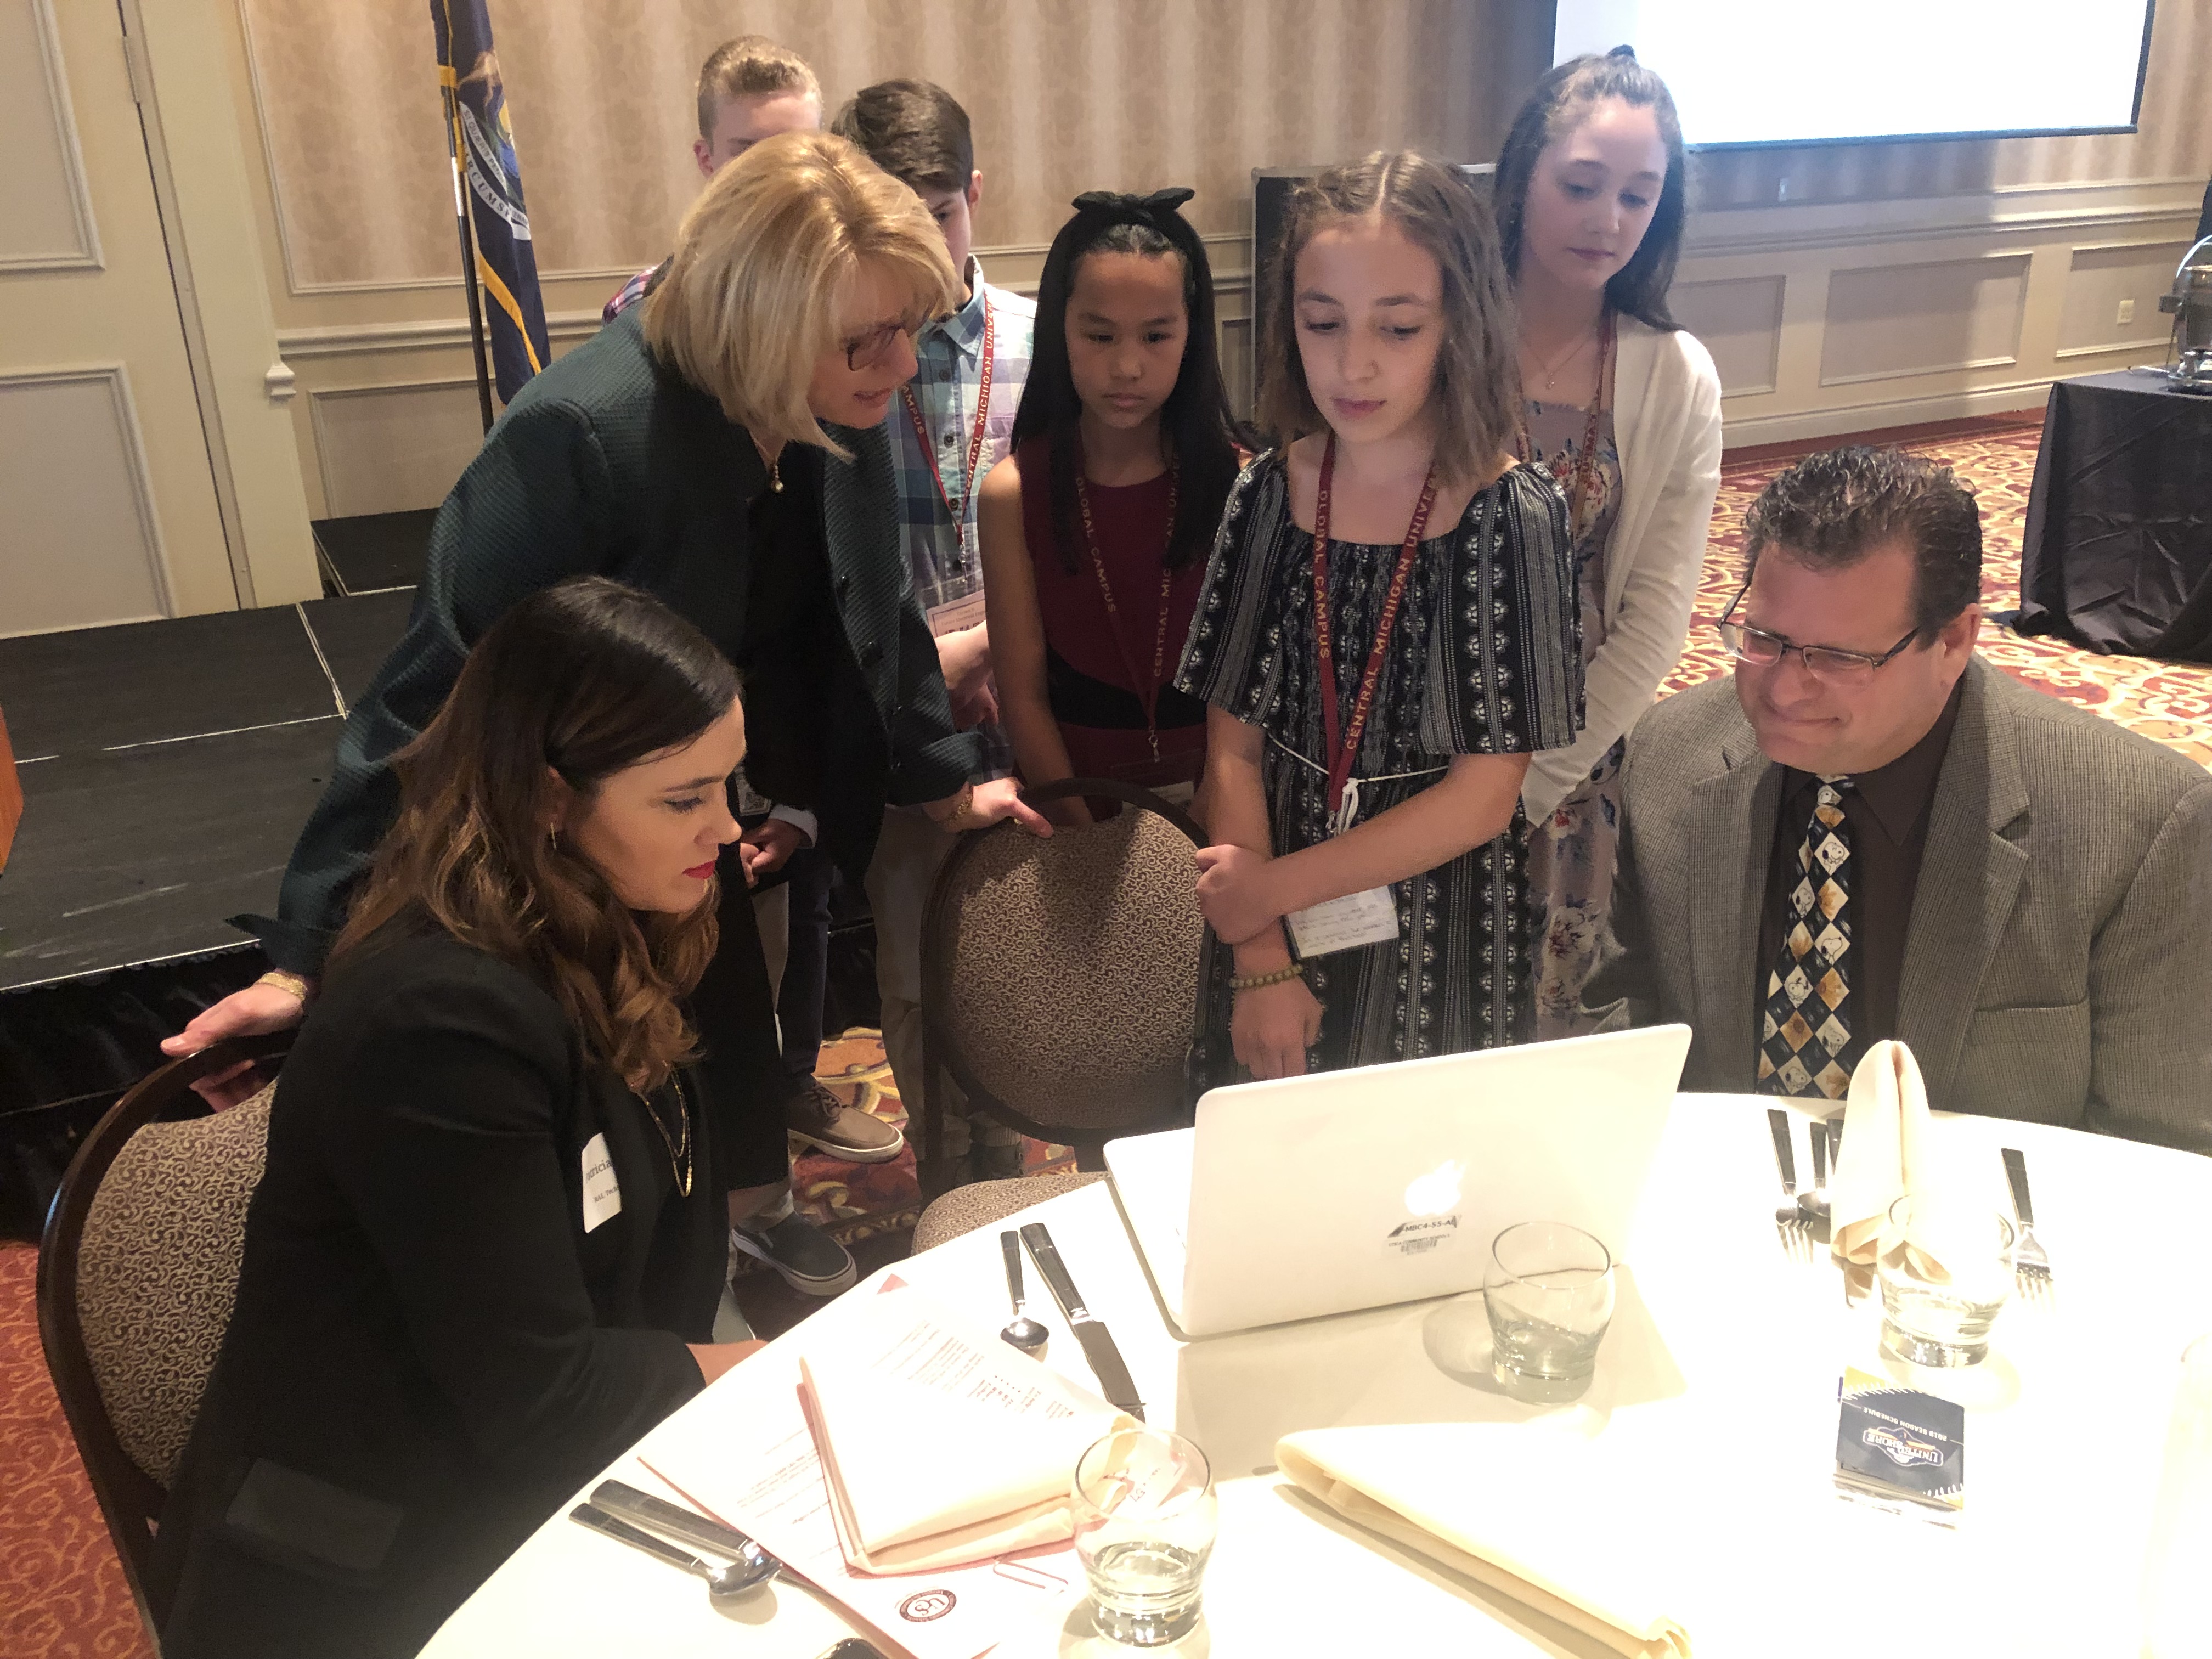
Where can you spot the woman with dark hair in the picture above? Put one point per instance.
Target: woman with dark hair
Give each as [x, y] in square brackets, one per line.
[1623, 407]
[1094, 528]
[486, 1249]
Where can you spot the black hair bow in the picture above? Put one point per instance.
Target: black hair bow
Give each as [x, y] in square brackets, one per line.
[1157, 207]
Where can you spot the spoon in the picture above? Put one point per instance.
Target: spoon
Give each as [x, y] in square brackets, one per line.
[1021, 1332]
[724, 1584]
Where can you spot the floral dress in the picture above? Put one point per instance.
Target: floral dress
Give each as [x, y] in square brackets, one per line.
[1484, 660]
[1570, 852]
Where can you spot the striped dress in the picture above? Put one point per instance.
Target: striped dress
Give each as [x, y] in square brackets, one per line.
[1486, 659]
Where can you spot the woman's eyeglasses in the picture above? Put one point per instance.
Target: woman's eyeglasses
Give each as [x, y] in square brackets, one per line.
[869, 350]
[1824, 663]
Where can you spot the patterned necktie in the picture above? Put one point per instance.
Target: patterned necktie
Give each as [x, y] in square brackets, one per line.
[1805, 1028]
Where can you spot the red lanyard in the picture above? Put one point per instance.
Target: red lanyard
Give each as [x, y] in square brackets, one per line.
[1342, 750]
[1581, 479]
[959, 514]
[1149, 692]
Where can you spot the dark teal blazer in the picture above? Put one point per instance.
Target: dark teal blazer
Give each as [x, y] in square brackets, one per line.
[611, 464]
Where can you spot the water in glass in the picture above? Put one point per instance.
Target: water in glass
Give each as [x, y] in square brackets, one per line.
[1144, 1516]
[1549, 1291]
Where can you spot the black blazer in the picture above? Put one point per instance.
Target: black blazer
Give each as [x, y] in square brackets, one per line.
[430, 1352]
[610, 463]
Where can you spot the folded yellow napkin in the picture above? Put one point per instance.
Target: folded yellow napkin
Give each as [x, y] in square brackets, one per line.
[1519, 1510]
[940, 1445]
[1885, 1150]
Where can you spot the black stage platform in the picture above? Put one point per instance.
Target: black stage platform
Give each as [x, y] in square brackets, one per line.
[167, 769]
[372, 552]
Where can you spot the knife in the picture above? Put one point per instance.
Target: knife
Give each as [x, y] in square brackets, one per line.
[1114, 1380]
[626, 1501]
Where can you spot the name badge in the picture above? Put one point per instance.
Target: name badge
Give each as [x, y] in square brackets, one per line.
[1343, 924]
[602, 1193]
[954, 615]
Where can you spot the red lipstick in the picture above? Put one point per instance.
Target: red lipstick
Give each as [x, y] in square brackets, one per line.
[701, 872]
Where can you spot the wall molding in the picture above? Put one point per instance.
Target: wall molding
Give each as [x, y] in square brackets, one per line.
[87, 255]
[322, 396]
[1882, 413]
[357, 339]
[1732, 232]
[116, 376]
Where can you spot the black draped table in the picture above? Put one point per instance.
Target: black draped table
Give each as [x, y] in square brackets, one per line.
[2118, 555]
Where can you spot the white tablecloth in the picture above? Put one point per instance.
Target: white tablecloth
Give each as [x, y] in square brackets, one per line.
[1723, 1359]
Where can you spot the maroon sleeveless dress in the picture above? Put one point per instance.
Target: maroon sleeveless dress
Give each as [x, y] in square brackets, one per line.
[1090, 653]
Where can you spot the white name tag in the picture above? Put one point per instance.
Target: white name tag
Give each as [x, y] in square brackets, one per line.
[954, 615]
[602, 1194]
[1343, 924]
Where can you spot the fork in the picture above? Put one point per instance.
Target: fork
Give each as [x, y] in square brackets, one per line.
[2030, 1264]
[1791, 1226]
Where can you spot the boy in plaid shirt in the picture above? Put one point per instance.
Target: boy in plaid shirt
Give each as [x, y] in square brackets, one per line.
[949, 425]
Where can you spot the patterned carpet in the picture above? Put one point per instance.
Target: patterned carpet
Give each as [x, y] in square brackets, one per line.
[61, 1594]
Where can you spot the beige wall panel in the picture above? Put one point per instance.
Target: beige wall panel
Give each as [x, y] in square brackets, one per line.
[1740, 321]
[387, 449]
[46, 213]
[2098, 281]
[78, 545]
[1065, 95]
[1889, 320]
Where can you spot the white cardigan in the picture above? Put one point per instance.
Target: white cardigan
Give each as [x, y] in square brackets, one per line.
[1667, 426]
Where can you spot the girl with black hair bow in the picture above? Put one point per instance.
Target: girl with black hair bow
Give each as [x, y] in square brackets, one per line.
[1094, 530]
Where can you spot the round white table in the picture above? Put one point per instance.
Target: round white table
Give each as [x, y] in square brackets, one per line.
[1723, 1359]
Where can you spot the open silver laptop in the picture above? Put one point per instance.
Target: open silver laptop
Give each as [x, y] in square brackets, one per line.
[1336, 1190]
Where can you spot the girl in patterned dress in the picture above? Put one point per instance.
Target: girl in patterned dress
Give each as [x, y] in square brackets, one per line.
[1386, 634]
[1623, 407]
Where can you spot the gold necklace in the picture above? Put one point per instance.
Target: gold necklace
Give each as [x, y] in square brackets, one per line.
[679, 1144]
[1551, 373]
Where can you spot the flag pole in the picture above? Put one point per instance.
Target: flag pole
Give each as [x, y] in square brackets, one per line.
[468, 261]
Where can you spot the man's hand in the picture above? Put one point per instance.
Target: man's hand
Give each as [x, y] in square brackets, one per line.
[1271, 1029]
[965, 656]
[1235, 891]
[768, 846]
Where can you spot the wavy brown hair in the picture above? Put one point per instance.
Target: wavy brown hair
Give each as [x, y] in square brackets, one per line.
[580, 680]
[1478, 382]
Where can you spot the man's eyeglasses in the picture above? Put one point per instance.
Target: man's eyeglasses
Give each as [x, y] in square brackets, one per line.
[1824, 663]
[867, 350]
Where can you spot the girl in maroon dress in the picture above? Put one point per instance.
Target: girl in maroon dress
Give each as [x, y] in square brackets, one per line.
[1094, 531]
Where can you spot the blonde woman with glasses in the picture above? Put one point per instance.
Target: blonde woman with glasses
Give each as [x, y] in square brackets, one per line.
[721, 447]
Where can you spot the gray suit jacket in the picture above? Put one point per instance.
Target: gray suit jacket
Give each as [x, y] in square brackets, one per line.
[2059, 964]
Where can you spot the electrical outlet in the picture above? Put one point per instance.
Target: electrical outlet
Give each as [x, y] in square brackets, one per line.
[2127, 311]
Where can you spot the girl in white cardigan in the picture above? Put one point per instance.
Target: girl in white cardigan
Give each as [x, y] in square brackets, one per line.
[1623, 408]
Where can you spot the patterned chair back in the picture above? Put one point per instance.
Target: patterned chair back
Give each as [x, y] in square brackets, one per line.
[1061, 973]
[157, 1271]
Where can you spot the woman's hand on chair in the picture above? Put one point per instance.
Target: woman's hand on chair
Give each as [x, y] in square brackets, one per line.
[254, 1011]
[980, 805]
[1271, 1028]
[1235, 891]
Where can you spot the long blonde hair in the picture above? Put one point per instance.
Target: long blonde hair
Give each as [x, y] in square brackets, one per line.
[764, 260]
[1478, 382]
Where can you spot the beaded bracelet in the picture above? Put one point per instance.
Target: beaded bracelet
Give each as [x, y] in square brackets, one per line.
[292, 984]
[1260, 982]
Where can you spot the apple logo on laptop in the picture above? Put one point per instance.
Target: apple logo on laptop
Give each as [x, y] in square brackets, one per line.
[1437, 1192]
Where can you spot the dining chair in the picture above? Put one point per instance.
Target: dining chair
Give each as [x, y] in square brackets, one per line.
[1060, 977]
[137, 1271]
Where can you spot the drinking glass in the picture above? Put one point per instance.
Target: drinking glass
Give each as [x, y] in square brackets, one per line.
[1550, 1292]
[2177, 1604]
[1143, 1527]
[1945, 1272]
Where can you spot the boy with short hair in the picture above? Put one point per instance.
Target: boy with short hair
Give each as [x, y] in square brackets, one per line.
[749, 88]
[948, 427]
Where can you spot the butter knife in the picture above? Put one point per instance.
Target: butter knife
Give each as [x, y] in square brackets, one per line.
[1113, 1379]
[623, 1500]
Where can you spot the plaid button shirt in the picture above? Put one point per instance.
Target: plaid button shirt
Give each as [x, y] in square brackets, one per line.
[948, 379]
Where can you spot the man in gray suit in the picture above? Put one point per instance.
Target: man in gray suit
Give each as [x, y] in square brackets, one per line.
[1872, 832]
